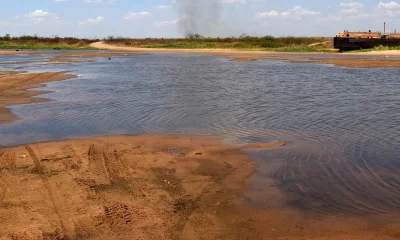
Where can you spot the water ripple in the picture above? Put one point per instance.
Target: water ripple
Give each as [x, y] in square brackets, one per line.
[343, 125]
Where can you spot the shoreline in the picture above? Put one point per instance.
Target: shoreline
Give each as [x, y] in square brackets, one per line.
[239, 55]
[152, 187]
[16, 88]
[172, 183]
[104, 46]
[339, 62]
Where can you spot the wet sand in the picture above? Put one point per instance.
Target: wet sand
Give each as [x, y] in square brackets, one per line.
[65, 57]
[341, 62]
[14, 85]
[69, 54]
[149, 187]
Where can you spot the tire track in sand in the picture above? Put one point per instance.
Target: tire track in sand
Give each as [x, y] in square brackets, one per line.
[74, 161]
[98, 166]
[3, 190]
[3, 186]
[117, 170]
[65, 223]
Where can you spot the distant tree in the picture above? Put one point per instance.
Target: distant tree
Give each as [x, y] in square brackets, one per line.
[244, 35]
[7, 36]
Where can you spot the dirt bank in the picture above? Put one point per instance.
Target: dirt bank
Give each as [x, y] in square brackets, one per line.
[14, 85]
[147, 187]
[341, 62]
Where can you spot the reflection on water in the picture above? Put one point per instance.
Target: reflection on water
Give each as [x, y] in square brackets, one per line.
[342, 124]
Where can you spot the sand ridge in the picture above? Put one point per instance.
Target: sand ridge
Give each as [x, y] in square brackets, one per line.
[57, 57]
[14, 85]
[341, 62]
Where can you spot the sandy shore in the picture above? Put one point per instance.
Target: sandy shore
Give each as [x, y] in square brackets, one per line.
[241, 55]
[237, 55]
[14, 85]
[148, 187]
[102, 45]
[341, 62]
[65, 57]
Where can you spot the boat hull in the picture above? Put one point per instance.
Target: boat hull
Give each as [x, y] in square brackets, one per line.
[347, 44]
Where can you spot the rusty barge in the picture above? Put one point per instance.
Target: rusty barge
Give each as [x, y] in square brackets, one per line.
[347, 41]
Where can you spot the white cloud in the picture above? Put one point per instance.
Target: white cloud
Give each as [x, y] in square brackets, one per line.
[351, 10]
[388, 9]
[98, 19]
[37, 13]
[233, 1]
[351, 5]
[163, 6]
[38, 16]
[269, 14]
[93, 1]
[136, 15]
[166, 23]
[296, 13]
[389, 5]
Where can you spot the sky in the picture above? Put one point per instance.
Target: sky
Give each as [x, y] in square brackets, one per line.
[176, 18]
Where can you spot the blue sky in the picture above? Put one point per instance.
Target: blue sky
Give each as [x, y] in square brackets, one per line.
[163, 18]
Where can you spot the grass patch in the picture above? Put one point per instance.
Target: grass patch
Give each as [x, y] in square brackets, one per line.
[377, 49]
[38, 45]
[36, 42]
[244, 42]
[267, 43]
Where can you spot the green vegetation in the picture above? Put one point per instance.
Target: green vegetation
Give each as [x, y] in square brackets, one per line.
[379, 48]
[244, 42]
[193, 41]
[36, 42]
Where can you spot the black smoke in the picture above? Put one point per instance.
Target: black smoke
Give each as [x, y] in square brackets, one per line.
[199, 17]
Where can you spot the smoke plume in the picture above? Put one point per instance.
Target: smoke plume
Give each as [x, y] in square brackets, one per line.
[199, 16]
